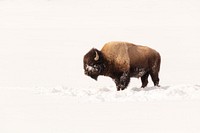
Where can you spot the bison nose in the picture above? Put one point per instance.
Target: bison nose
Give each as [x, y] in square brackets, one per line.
[86, 72]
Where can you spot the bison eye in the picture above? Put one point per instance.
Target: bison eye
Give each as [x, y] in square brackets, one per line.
[97, 68]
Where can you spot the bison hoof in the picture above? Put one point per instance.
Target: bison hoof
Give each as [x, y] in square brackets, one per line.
[121, 87]
[157, 85]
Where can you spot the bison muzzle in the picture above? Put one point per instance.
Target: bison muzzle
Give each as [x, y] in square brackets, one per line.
[121, 61]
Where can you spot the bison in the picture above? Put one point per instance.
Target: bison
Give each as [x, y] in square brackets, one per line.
[121, 61]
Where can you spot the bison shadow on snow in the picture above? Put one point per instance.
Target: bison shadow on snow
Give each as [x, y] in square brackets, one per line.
[150, 88]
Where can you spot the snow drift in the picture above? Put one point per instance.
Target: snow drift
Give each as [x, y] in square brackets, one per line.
[64, 109]
[109, 94]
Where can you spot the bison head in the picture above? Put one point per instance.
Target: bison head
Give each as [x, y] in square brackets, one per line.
[93, 63]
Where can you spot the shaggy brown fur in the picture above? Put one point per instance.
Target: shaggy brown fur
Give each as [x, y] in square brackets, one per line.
[122, 60]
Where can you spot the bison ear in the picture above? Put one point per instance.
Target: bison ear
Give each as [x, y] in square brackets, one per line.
[96, 56]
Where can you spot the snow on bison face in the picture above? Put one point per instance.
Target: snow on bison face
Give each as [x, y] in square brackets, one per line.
[93, 63]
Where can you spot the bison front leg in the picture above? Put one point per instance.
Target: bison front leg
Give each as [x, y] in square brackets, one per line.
[123, 81]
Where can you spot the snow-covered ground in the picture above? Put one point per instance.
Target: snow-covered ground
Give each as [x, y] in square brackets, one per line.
[60, 110]
[42, 84]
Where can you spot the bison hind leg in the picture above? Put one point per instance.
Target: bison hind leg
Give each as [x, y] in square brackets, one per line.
[155, 72]
[155, 78]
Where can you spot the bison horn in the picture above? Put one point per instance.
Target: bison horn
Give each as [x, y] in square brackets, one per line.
[96, 57]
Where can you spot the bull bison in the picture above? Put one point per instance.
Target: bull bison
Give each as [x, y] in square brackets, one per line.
[122, 60]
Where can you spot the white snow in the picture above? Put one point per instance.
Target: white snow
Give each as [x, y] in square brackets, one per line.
[42, 83]
[109, 94]
[60, 110]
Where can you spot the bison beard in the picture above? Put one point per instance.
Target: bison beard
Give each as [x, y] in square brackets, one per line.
[121, 61]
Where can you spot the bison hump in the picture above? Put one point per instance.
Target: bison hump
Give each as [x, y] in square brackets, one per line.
[117, 54]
